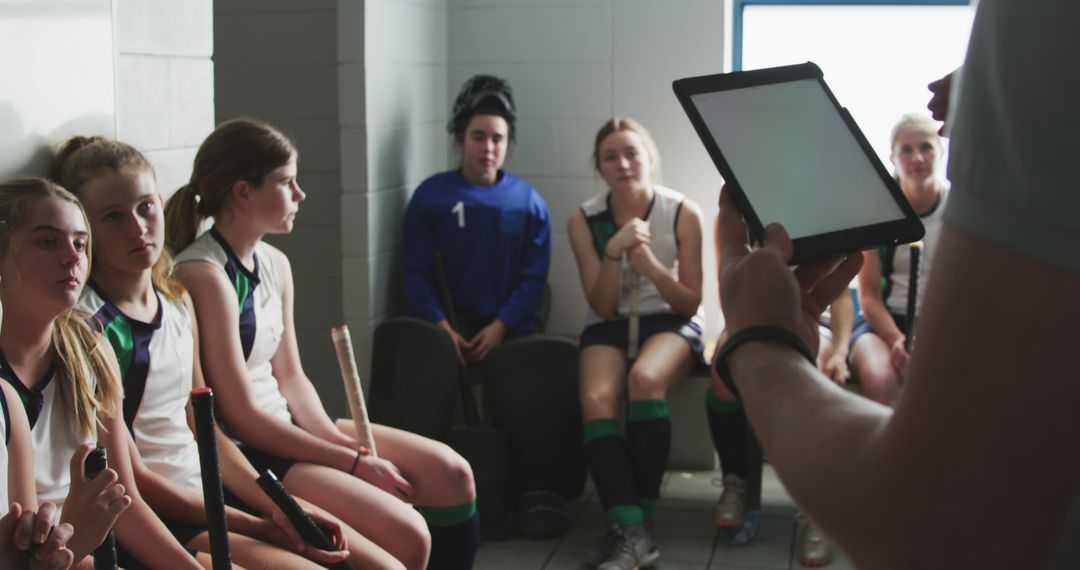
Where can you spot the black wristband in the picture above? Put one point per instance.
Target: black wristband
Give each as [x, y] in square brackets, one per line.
[769, 333]
[352, 470]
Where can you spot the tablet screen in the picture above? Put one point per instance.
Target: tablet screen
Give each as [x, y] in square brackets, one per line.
[795, 158]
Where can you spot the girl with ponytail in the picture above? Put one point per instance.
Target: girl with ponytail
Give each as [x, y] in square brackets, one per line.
[150, 323]
[244, 178]
[65, 374]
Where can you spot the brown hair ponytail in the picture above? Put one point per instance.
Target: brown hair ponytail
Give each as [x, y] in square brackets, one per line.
[238, 149]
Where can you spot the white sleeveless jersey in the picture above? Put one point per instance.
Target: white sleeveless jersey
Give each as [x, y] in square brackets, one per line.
[663, 218]
[901, 265]
[51, 432]
[259, 305]
[156, 365]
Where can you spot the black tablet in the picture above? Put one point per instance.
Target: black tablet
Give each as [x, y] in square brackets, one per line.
[791, 154]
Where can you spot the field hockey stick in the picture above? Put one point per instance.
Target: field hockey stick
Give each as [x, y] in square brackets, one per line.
[202, 403]
[104, 555]
[304, 524]
[351, 377]
[634, 326]
[913, 294]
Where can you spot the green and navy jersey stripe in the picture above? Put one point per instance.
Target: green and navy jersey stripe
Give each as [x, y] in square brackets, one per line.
[602, 224]
[130, 340]
[33, 400]
[244, 282]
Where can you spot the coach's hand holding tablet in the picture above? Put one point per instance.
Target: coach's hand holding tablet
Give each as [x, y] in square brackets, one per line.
[809, 190]
[791, 155]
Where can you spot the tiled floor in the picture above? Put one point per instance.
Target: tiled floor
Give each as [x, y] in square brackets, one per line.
[684, 534]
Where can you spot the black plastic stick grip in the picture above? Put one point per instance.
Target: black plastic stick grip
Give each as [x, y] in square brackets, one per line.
[913, 295]
[309, 531]
[202, 403]
[105, 554]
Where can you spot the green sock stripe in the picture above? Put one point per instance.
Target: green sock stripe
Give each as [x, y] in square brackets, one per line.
[644, 410]
[603, 427]
[448, 516]
[648, 507]
[625, 514]
[720, 405]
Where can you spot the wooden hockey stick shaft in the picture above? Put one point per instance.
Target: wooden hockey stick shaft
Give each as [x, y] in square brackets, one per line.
[634, 326]
[351, 377]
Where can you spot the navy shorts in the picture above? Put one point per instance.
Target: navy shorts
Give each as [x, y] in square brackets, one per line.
[616, 332]
[262, 461]
[862, 326]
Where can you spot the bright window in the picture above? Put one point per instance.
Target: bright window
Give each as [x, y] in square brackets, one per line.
[877, 56]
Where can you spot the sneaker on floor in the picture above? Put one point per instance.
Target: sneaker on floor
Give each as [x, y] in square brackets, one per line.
[541, 515]
[601, 550]
[814, 549]
[633, 548]
[731, 507]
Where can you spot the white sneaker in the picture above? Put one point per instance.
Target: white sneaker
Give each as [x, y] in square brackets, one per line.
[814, 549]
[731, 507]
[633, 549]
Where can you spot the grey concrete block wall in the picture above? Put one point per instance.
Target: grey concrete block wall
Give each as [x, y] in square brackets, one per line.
[393, 137]
[278, 61]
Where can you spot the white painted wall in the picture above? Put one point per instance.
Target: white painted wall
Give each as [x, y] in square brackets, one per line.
[162, 93]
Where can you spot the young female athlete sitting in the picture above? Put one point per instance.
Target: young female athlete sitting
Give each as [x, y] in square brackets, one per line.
[24, 522]
[149, 321]
[245, 179]
[878, 355]
[636, 232]
[66, 375]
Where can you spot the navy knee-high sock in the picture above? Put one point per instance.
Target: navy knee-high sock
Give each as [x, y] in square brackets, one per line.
[728, 425]
[612, 472]
[455, 535]
[648, 435]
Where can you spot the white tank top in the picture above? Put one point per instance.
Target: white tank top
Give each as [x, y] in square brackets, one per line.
[51, 432]
[663, 218]
[901, 264]
[259, 304]
[156, 361]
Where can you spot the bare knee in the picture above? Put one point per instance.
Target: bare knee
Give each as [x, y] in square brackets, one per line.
[645, 385]
[458, 475]
[413, 530]
[597, 404]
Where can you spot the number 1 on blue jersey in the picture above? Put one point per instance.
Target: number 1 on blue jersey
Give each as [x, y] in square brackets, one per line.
[459, 209]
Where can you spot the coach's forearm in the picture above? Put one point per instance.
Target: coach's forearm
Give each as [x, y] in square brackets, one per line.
[821, 438]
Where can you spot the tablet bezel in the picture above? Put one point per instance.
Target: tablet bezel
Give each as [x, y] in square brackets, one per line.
[905, 230]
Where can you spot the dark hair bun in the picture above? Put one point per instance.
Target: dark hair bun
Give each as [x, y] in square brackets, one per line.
[487, 93]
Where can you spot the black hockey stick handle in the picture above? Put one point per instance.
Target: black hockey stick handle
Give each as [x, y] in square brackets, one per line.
[468, 404]
[445, 299]
[912, 294]
[202, 404]
[309, 531]
[105, 554]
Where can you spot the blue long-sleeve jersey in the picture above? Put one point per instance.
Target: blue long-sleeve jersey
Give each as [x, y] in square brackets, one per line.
[496, 248]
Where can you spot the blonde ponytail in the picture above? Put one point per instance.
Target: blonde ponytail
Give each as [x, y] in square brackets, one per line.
[89, 384]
